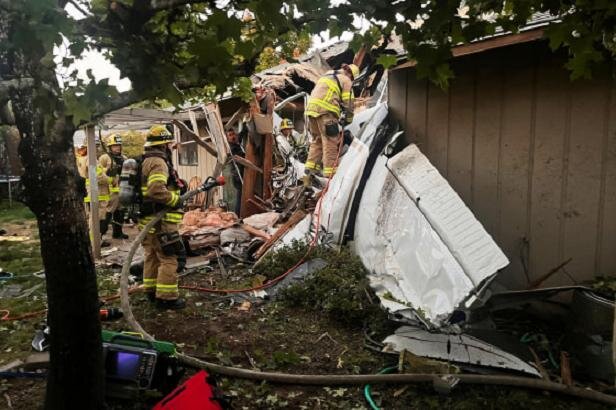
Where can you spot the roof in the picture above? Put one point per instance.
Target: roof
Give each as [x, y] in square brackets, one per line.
[532, 31]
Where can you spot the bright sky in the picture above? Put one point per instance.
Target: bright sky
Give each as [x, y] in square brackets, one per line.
[93, 60]
[103, 68]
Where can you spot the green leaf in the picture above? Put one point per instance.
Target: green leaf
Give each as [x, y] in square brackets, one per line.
[387, 60]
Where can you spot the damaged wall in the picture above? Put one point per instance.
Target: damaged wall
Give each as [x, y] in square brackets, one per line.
[531, 153]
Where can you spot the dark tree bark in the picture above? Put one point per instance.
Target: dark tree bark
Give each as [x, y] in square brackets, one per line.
[54, 192]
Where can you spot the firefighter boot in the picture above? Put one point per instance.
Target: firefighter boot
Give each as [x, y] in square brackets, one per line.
[104, 227]
[118, 221]
[172, 304]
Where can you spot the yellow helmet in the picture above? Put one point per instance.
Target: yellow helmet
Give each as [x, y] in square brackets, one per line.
[113, 139]
[354, 70]
[286, 124]
[158, 135]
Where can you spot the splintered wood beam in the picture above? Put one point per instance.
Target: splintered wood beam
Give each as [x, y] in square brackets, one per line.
[208, 147]
[254, 202]
[250, 179]
[359, 57]
[234, 118]
[267, 166]
[244, 162]
[286, 227]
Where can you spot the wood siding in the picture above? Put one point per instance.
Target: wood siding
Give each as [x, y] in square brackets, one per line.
[205, 162]
[530, 152]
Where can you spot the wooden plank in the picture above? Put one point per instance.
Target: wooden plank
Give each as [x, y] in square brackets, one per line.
[268, 141]
[489, 100]
[461, 132]
[606, 257]
[250, 178]
[514, 161]
[256, 204]
[416, 105]
[295, 218]
[244, 162]
[581, 206]
[550, 128]
[437, 128]
[184, 128]
[95, 233]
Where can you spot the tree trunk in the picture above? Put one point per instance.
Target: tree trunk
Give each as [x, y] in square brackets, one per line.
[54, 192]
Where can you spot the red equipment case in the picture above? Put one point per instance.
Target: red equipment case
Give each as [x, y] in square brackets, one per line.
[197, 393]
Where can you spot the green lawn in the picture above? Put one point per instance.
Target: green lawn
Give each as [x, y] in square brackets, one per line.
[18, 212]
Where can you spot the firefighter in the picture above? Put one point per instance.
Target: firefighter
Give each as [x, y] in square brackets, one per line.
[330, 108]
[294, 138]
[112, 162]
[160, 188]
[104, 187]
[82, 161]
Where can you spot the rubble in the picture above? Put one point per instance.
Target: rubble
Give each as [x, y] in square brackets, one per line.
[455, 348]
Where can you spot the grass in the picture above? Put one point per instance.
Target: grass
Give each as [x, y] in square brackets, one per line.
[17, 213]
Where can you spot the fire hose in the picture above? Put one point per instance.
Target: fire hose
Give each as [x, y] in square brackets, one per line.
[332, 380]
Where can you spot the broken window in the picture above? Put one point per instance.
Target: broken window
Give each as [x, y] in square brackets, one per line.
[187, 150]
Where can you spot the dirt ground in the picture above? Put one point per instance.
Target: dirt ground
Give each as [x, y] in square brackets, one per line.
[267, 336]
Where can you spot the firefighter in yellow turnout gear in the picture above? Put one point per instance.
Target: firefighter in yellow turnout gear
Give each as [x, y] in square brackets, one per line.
[112, 163]
[162, 244]
[104, 184]
[331, 97]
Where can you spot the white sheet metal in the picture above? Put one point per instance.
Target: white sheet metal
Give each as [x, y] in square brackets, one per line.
[411, 267]
[459, 348]
[365, 123]
[335, 205]
[464, 235]
[418, 256]
[425, 250]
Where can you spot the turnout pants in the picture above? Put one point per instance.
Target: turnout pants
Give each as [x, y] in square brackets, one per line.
[323, 148]
[160, 270]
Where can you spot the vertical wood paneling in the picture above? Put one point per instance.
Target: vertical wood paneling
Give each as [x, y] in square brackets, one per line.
[581, 208]
[606, 256]
[416, 96]
[543, 159]
[488, 99]
[396, 94]
[550, 110]
[437, 128]
[461, 129]
[514, 156]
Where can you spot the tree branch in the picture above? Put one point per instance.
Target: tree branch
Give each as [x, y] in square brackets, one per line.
[122, 100]
[79, 8]
[156, 5]
[16, 84]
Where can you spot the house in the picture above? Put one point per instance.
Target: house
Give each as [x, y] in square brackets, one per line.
[532, 153]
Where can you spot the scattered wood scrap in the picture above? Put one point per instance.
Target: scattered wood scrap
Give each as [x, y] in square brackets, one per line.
[293, 220]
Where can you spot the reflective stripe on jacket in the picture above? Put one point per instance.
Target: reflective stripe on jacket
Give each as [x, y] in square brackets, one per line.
[105, 185]
[156, 188]
[328, 97]
[107, 163]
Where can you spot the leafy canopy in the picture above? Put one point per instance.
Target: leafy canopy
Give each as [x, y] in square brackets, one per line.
[182, 49]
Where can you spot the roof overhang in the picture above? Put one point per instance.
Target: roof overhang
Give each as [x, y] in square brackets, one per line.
[488, 44]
